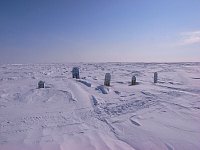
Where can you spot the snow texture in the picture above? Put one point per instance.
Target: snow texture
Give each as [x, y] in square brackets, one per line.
[71, 114]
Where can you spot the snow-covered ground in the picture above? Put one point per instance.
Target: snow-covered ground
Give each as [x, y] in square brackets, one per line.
[83, 114]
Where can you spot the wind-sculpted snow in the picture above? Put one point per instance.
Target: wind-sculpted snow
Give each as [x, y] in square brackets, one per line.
[84, 114]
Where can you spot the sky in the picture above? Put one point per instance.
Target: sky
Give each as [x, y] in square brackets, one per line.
[45, 31]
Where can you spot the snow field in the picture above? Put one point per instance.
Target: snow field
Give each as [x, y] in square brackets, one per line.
[84, 114]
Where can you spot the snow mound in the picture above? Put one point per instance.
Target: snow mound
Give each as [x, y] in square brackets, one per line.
[46, 95]
[103, 89]
[85, 83]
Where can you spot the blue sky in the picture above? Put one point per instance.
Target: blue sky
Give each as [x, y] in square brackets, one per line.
[40, 31]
